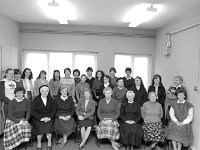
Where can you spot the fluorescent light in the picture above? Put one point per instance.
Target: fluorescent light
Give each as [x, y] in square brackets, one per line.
[62, 11]
[141, 13]
[63, 21]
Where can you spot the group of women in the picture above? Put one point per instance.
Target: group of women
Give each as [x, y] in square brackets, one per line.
[120, 109]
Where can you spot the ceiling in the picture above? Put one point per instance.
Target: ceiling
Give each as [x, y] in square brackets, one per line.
[97, 12]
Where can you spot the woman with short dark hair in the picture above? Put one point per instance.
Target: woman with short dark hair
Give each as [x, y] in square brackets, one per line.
[17, 129]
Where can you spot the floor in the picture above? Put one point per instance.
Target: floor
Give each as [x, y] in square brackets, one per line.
[71, 145]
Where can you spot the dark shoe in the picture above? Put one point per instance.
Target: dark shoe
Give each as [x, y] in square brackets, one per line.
[49, 147]
[39, 148]
[81, 147]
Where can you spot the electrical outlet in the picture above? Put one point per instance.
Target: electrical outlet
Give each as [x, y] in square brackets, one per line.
[196, 88]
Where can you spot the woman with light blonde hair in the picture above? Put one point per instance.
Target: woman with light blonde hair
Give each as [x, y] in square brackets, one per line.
[108, 113]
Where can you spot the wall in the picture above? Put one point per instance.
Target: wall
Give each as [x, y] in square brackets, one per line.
[106, 41]
[9, 36]
[9, 30]
[184, 60]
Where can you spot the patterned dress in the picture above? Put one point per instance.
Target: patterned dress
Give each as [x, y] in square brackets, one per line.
[152, 126]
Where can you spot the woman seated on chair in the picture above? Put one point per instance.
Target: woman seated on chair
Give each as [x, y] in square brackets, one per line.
[108, 113]
[130, 114]
[64, 122]
[153, 130]
[17, 129]
[43, 109]
[85, 110]
[179, 129]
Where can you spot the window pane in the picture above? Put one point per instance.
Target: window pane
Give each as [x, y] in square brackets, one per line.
[82, 61]
[36, 62]
[59, 61]
[141, 69]
[121, 63]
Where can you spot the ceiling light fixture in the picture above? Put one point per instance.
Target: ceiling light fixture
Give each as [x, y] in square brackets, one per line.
[142, 13]
[53, 3]
[60, 10]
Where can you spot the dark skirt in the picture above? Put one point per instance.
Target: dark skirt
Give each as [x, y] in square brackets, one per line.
[153, 131]
[181, 134]
[131, 134]
[29, 96]
[86, 123]
[65, 127]
[40, 127]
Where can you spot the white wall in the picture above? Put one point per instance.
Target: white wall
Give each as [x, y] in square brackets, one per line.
[9, 32]
[184, 61]
[106, 46]
[9, 42]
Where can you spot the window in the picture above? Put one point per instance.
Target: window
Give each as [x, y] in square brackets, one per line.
[139, 64]
[50, 61]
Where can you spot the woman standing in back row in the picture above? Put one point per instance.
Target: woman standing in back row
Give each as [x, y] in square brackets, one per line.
[27, 77]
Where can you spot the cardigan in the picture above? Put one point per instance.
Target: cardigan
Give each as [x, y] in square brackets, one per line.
[25, 86]
[161, 93]
[19, 110]
[128, 83]
[110, 110]
[90, 81]
[141, 95]
[64, 107]
[87, 112]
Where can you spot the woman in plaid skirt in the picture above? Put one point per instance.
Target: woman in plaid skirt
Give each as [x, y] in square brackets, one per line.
[108, 112]
[17, 129]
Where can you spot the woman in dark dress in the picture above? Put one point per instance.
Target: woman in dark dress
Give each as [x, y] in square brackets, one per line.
[159, 89]
[77, 78]
[106, 83]
[43, 110]
[64, 122]
[85, 110]
[97, 83]
[130, 114]
[128, 80]
[138, 88]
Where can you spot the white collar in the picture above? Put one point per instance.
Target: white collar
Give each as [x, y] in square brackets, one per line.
[89, 77]
[181, 102]
[128, 78]
[63, 98]
[178, 86]
[19, 100]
